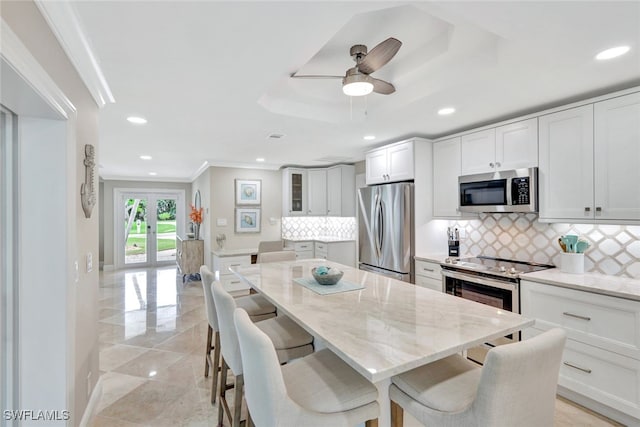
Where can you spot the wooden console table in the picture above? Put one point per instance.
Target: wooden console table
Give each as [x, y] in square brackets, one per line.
[189, 256]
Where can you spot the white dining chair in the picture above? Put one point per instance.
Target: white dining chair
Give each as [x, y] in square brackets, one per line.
[276, 256]
[289, 340]
[270, 246]
[318, 390]
[515, 387]
[258, 307]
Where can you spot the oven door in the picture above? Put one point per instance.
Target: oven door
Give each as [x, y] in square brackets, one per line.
[501, 294]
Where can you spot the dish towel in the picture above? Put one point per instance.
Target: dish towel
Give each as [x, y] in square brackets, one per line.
[341, 286]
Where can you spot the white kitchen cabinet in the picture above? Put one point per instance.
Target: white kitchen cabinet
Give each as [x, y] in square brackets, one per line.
[446, 169]
[391, 163]
[230, 282]
[511, 146]
[341, 184]
[601, 360]
[428, 275]
[316, 192]
[617, 158]
[294, 192]
[589, 159]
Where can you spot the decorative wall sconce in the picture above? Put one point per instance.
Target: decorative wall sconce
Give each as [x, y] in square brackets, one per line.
[87, 189]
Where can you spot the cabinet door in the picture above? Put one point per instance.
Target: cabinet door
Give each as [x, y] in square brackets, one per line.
[400, 162]
[446, 169]
[317, 194]
[334, 191]
[478, 152]
[376, 166]
[617, 158]
[566, 164]
[296, 192]
[517, 145]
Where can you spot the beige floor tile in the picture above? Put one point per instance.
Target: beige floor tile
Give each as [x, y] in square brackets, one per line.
[118, 355]
[185, 342]
[149, 363]
[188, 411]
[115, 386]
[100, 421]
[150, 338]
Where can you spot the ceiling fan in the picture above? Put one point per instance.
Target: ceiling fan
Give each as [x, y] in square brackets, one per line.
[357, 80]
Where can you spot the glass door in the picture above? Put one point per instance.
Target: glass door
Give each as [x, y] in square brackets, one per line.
[149, 228]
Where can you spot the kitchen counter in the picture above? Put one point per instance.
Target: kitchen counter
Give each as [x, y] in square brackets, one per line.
[437, 257]
[323, 239]
[234, 252]
[621, 287]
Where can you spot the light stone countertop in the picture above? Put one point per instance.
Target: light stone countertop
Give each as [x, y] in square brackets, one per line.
[234, 252]
[621, 287]
[438, 257]
[322, 239]
[387, 328]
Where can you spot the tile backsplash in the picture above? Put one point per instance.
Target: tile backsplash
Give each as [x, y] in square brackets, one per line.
[303, 227]
[615, 249]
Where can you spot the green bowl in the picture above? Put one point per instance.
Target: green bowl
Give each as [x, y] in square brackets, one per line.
[331, 278]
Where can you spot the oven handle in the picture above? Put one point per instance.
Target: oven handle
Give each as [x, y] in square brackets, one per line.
[509, 286]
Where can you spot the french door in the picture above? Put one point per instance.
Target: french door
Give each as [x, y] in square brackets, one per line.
[147, 223]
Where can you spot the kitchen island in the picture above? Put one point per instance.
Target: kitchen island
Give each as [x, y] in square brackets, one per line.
[384, 329]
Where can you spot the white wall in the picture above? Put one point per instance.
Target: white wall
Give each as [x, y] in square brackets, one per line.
[203, 184]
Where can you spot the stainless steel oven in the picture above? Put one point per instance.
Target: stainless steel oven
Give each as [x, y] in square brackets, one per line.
[490, 281]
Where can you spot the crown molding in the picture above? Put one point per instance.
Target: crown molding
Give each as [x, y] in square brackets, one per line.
[65, 25]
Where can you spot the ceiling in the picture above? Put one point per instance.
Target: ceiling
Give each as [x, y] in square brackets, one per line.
[212, 78]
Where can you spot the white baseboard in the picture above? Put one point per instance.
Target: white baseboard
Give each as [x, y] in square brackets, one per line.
[89, 411]
[598, 407]
[108, 267]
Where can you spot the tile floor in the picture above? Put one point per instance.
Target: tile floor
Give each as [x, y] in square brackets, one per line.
[152, 335]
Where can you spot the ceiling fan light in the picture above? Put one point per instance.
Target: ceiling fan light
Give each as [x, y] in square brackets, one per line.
[357, 85]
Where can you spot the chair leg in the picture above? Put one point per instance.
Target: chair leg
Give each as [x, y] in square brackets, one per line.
[223, 389]
[249, 420]
[237, 400]
[215, 366]
[207, 355]
[371, 423]
[397, 415]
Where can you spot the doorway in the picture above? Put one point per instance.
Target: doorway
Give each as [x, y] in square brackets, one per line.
[146, 225]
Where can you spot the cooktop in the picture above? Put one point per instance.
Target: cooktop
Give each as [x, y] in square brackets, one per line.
[498, 266]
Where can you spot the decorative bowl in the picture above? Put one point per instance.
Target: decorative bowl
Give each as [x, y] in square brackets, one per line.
[191, 235]
[331, 277]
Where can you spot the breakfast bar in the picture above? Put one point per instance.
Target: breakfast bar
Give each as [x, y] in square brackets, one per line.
[385, 328]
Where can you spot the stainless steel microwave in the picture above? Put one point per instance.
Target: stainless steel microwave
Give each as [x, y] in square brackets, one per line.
[504, 191]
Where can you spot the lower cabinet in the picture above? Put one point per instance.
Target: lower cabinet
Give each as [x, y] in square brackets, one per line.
[428, 275]
[229, 280]
[601, 360]
[343, 252]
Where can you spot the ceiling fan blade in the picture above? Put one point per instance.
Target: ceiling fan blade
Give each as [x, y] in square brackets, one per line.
[382, 87]
[379, 55]
[312, 76]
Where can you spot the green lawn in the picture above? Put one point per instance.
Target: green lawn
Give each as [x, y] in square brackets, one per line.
[163, 227]
[141, 245]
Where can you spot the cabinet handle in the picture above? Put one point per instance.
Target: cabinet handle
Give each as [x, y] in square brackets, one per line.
[598, 209]
[235, 265]
[428, 269]
[587, 209]
[577, 316]
[235, 282]
[571, 365]
[491, 165]
[498, 164]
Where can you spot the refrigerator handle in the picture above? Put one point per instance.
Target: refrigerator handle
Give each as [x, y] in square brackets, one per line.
[376, 222]
[381, 226]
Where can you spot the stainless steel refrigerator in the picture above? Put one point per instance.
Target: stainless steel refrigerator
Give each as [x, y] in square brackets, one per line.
[385, 214]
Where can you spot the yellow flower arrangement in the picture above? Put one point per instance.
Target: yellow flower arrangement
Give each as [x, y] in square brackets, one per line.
[196, 215]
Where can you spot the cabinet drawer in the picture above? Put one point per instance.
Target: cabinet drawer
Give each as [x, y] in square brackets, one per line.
[607, 322]
[320, 247]
[303, 246]
[235, 261]
[233, 284]
[304, 254]
[429, 269]
[428, 282]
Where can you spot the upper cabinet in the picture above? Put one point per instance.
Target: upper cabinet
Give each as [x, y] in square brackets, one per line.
[391, 163]
[589, 159]
[511, 146]
[446, 169]
[294, 192]
[319, 192]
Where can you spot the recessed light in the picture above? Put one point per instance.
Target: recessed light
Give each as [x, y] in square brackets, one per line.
[137, 120]
[145, 157]
[153, 173]
[446, 111]
[259, 159]
[369, 137]
[612, 53]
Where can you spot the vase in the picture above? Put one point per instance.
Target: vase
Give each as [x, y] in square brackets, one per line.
[196, 231]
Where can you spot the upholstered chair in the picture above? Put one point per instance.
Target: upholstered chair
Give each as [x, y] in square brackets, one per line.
[258, 307]
[276, 256]
[289, 339]
[270, 246]
[318, 390]
[515, 387]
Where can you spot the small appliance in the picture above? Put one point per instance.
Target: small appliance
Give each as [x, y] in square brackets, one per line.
[513, 190]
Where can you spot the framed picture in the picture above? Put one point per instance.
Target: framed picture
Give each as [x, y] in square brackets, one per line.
[248, 192]
[247, 220]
